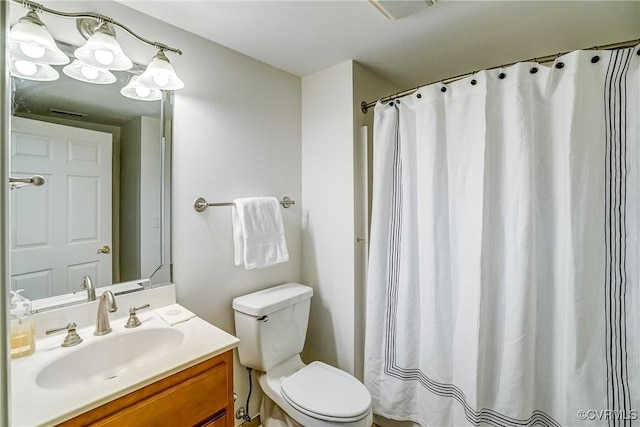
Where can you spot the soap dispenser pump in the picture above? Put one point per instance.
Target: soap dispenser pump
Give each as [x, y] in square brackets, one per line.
[23, 342]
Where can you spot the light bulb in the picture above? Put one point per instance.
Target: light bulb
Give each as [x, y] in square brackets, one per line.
[159, 74]
[27, 68]
[104, 57]
[89, 73]
[32, 50]
[143, 92]
[161, 79]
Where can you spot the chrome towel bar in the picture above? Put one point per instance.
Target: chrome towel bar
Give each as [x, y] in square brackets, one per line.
[200, 204]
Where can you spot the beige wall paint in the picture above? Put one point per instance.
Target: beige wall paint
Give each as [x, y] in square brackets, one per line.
[333, 180]
[328, 213]
[236, 134]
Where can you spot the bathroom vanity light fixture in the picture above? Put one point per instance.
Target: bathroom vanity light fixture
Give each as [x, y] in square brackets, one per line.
[136, 90]
[88, 73]
[33, 50]
[101, 49]
[33, 71]
[160, 74]
[29, 40]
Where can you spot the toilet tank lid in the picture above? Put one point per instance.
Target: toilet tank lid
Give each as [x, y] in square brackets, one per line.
[272, 299]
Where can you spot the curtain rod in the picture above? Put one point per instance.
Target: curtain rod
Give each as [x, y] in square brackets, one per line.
[541, 60]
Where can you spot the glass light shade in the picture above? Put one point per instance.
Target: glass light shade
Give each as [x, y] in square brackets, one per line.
[88, 73]
[136, 90]
[30, 40]
[102, 50]
[29, 70]
[160, 74]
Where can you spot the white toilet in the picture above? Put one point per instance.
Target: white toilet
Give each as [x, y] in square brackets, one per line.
[272, 326]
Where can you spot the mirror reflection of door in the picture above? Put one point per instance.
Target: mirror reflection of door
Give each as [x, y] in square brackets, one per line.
[58, 229]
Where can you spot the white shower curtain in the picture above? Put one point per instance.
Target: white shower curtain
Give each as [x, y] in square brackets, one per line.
[503, 280]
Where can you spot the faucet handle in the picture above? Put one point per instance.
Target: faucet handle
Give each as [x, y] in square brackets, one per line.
[133, 321]
[72, 337]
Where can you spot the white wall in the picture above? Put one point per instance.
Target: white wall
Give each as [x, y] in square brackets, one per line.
[150, 171]
[130, 159]
[140, 164]
[333, 218]
[328, 206]
[236, 134]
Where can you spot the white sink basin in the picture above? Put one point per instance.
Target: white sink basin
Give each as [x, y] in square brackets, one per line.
[66, 382]
[107, 357]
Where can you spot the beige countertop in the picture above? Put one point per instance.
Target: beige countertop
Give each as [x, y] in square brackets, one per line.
[33, 405]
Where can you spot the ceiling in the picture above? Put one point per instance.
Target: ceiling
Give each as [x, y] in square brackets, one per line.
[449, 38]
[70, 99]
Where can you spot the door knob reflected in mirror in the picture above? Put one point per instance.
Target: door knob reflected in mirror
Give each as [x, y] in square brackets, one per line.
[104, 250]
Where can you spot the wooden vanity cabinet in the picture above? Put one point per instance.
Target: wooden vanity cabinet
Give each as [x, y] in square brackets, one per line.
[198, 396]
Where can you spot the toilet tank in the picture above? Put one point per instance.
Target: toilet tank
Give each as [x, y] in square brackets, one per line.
[272, 324]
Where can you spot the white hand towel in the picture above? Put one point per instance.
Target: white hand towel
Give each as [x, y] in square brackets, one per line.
[258, 232]
[174, 313]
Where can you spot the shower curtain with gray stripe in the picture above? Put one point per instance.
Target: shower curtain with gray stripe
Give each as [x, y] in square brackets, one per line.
[503, 281]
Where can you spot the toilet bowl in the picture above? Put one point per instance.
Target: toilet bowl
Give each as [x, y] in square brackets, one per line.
[313, 395]
[272, 326]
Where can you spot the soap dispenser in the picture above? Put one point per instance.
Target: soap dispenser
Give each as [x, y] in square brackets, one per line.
[23, 341]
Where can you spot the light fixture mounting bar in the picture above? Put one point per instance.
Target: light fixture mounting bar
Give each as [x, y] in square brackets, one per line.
[37, 7]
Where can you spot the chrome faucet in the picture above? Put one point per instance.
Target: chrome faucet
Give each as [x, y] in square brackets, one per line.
[106, 305]
[86, 283]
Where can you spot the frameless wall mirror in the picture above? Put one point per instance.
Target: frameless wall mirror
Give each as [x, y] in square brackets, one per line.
[103, 209]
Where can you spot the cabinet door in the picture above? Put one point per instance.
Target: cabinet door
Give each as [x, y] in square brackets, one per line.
[197, 396]
[185, 404]
[219, 421]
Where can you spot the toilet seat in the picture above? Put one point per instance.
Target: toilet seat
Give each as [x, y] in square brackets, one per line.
[327, 393]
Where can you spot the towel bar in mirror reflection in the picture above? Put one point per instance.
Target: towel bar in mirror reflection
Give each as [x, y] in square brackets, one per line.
[200, 204]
